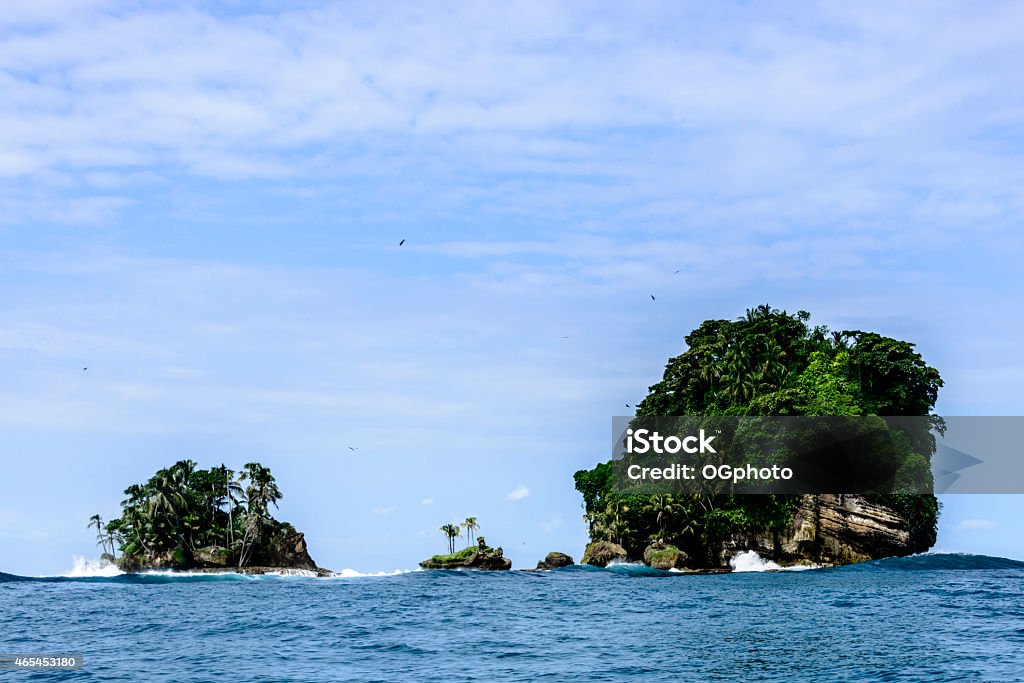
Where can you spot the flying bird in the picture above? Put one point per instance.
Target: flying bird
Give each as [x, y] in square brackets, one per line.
[84, 369]
[564, 337]
[401, 243]
[677, 272]
[652, 298]
[351, 448]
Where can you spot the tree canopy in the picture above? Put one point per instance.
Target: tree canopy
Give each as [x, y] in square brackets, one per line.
[182, 508]
[769, 362]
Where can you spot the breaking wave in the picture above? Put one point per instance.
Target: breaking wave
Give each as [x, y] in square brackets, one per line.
[750, 561]
[84, 567]
[936, 561]
[353, 574]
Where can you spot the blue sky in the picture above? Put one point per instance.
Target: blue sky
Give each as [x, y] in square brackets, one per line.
[203, 204]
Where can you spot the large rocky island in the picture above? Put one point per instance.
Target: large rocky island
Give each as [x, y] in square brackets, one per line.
[770, 363]
[189, 519]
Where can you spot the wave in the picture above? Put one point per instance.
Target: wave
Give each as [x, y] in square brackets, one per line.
[619, 568]
[86, 568]
[353, 574]
[89, 571]
[935, 562]
[750, 561]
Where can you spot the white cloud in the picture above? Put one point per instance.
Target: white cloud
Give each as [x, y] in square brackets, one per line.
[787, 126]
[427, 501]
[975, 525]
[384, 510]
[518, 493]
[551, 524]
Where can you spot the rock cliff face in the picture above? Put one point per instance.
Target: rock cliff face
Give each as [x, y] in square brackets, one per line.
[831, 529]
[284, 550]
[827, 529]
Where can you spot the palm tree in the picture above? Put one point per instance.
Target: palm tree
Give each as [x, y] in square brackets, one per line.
[113, 535]
[230, 496]
[165, 505]
[773, 370]
[665, 508]
[134, 517]
[762, 311]
[261, 493]
[101, 539]
[470, 526]
[615, 520]
[452, 532]
[262, 490]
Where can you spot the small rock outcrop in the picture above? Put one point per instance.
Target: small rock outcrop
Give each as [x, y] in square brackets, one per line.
[555, 560]
[600, 553]
[481, 557]
[663, 556]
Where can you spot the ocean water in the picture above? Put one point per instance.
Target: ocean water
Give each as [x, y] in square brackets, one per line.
[923, 618]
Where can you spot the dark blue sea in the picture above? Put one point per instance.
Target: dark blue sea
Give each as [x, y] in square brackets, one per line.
[923, 618]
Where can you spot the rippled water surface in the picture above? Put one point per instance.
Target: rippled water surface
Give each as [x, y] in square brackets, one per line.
[927, 618]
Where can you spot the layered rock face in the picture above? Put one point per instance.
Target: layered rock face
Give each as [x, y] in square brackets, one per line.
[827, 529]
[832, 529]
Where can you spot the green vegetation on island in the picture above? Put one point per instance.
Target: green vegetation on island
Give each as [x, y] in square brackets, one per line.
[184, 517]
[478, 556]
[767, 362]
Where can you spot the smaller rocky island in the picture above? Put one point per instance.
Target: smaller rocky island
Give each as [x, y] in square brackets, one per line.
[476, 555]
[189, 519]
[481, 556]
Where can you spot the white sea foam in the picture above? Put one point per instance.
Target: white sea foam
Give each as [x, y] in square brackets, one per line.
[353, 574]
[801, 567]
[306, 573]
[750, 561]
[84, 567]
